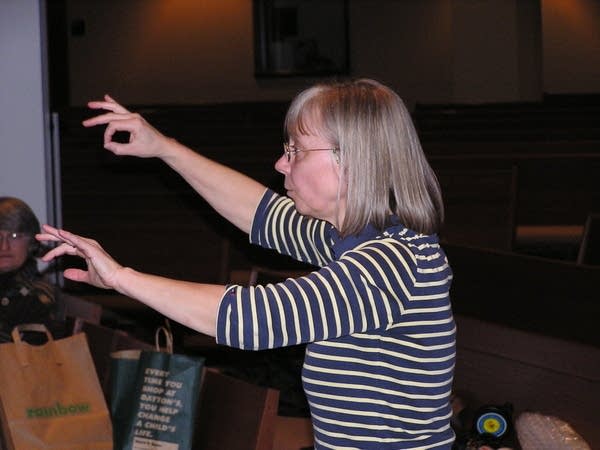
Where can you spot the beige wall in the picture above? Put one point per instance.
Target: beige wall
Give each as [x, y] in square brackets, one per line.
[485, 49]
[571, 50]
[430, 51]
[406, 44]
[157, 51]
[196, 51]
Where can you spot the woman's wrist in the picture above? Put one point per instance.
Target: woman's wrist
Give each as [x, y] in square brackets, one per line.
[170, 150]
[122, 280]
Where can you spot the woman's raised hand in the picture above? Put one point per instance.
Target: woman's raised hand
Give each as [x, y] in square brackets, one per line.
[144, 140]
[102, 269]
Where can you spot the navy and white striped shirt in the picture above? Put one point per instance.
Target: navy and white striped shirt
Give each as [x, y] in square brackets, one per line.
[378, 322]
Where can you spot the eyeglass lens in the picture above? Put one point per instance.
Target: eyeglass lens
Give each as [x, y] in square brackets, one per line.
[11, 236]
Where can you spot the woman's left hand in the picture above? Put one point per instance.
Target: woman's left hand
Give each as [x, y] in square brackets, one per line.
[102, 269]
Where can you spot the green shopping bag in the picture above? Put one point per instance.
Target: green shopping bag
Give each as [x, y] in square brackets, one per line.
[153, 398]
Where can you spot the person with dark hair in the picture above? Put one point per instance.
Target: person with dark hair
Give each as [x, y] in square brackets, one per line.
[364, 207]
[25, 297]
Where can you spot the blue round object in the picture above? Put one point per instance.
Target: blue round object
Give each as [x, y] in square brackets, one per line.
[492, 423]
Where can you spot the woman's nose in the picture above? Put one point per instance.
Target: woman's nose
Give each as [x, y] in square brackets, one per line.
[4, 243]
[282, 165]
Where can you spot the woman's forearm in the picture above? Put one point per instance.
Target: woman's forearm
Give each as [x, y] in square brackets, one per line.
[194, 305]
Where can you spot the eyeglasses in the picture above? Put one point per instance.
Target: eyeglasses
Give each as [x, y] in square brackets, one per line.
[290, 150]
[12, 237]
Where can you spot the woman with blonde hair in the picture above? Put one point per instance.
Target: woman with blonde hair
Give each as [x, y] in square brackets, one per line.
[364, 207]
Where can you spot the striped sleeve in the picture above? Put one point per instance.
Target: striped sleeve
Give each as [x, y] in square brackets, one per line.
[379, 284]
[278, 226]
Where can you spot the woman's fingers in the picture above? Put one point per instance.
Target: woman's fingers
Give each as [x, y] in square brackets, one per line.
[55, 234]
[49, 234]
[101, 267]
[44, 237]
[77, 275]
[72, 244]
[116, 111]
[67, 247]
[108, 103]
[131, 126]
[62, 249]
[142, 137]
[109, 117]
[144, 140]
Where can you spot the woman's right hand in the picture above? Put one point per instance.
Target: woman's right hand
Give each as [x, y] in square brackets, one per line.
[102, 268]
[144, 140]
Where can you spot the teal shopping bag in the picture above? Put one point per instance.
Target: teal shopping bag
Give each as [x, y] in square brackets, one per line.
[154, 397]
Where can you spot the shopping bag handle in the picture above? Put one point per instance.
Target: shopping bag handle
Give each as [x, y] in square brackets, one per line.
[168, 339]
[37, 327]
[22, 347]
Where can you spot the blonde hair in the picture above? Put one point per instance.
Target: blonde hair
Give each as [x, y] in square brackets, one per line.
[380, 155]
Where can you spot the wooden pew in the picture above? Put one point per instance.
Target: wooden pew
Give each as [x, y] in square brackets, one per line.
[554, 298]
[528, 334]
[498, 364]
[234, 414]
[552, 147]
[554, 118]
[497, 200]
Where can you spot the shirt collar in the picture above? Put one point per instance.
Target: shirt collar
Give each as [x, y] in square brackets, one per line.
[340, 245]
